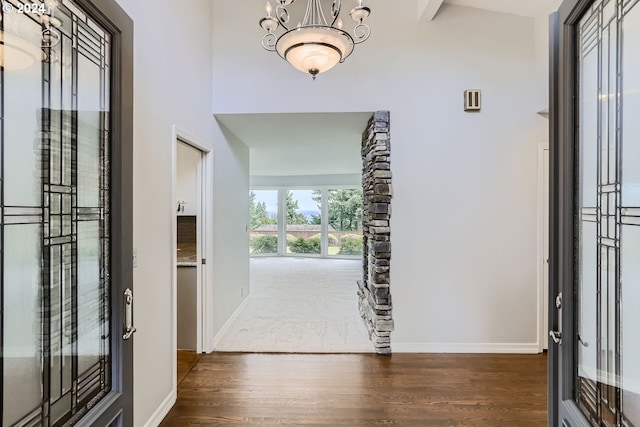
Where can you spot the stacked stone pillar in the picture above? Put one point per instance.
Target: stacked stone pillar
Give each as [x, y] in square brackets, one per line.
[373, 291]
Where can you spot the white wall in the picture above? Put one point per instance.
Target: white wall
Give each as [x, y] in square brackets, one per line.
[173, 87]
[231, 233]
[541, 25]
[464, 207]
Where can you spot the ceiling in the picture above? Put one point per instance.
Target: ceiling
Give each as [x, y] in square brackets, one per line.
[294, 144]
[532, 8]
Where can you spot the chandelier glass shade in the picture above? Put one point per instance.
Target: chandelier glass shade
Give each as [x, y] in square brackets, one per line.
[17, 53]
[19, 49]
[315, 45]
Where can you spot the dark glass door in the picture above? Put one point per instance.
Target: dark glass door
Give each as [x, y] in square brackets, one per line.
[63, 359]
[596, 366]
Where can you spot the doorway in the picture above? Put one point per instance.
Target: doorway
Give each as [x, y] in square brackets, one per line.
[192, 164]
[310, 182]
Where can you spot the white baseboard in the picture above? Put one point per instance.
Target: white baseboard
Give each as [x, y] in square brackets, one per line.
[162, 410]
[225, 328]
[515, 348]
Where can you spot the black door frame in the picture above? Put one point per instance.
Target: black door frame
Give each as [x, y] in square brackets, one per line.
[117, 406]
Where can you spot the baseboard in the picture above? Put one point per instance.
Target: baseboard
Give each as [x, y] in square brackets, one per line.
[162, 410]
[225, 327]
[515, 348]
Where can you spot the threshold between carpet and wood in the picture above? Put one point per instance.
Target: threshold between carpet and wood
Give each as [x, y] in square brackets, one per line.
[472, 390]
[300, 305]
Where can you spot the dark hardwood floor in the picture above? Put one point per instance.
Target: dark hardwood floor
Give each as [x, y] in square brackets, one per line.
[350, 390]
[186, 361]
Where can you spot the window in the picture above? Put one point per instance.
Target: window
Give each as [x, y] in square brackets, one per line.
[263, 219]
[316, 222]
[345, 222]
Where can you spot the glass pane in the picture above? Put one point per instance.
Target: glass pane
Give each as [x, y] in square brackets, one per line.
[55, 330]
[66, 106]
[54, 88]
[263, 216]
[61, 318]
[89, 296]
[88, 133]
[630, 277]
[345, 222]
[607, 369]
[22, 359]
[589, 128]
[66, 320]
[304, 222]
[604, 113]
[23, 82]
[631, 109]
[588, 289]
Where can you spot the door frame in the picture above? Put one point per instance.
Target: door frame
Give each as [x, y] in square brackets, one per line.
[117, 406]
[543, 242]
[204, 290]
[563, 67]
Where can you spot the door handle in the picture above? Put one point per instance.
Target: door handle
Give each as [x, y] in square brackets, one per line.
[129, 329]
[583, 342]
[556, 336]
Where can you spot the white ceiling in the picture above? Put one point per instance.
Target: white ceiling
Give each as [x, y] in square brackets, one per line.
[300, 143]
[532, 8]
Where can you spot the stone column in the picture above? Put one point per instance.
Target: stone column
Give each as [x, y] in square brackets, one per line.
[373, 291]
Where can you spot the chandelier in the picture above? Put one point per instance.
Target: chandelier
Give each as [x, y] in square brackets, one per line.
[316, 44]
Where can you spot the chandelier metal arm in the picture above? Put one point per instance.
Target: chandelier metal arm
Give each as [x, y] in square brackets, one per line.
[361, 33]
[283, 16]
[269, 42]
[336, 7]
[314, 14]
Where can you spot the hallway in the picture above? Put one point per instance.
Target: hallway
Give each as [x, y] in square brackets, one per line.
[365, 389]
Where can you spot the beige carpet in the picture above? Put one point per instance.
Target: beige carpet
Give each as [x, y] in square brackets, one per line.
[300, 305]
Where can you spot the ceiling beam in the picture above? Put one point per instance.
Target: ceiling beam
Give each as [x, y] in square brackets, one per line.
[427, 9]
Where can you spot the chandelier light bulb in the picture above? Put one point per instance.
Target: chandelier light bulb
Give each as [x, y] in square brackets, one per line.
[51, 5]
[319, 42]
[269, 23]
